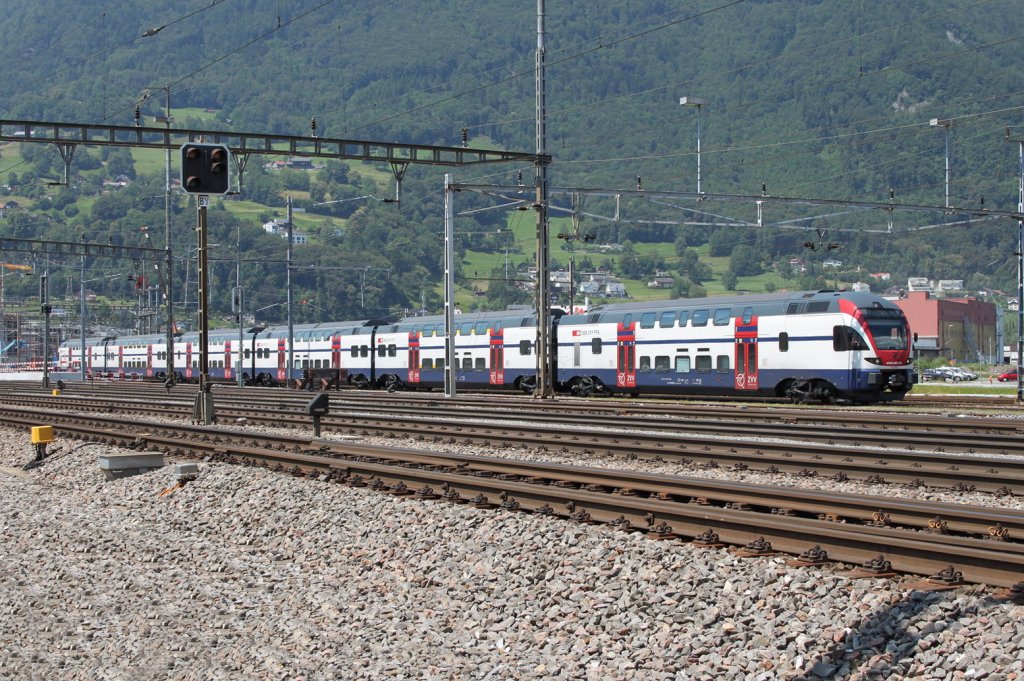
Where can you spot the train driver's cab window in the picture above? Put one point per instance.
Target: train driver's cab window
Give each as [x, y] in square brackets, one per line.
[703, 363]
[722, 316]
[667, 320]
[645, 363]
[783, 342]
[845, 339]
[662, 363]
[700, 317]
[595, 346]
[647, 320]
[682, 364]
[524, 347]
[722, 362]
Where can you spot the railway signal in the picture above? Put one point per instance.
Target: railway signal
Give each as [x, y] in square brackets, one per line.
[204, 168]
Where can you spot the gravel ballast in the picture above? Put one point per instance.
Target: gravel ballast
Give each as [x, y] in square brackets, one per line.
[247, 574]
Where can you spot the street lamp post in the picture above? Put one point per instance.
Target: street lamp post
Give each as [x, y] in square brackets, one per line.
[946, 123]
[697, 103]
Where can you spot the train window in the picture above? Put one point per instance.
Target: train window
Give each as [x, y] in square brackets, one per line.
[748, 314]
[703, 363]
[466, 329]
[818, 306]
[722, 362]
[355, 350]
[467, 363]
[645, 363]
[381, 350]
[498, 326]
[248, 353]
[684, 316]
[793, 308]
[783, 342]
[700, 317]
[524, 347]
[439, 363]
[667, 320]
[741, 359]
[845, 339]
[364, 350]
[392, 350]
[595, 346]
[627, 320]
[662, 363]
[481, 328]
[682, 364]
[647, 320]
[722, 316]
[481, 363]
[426, 363]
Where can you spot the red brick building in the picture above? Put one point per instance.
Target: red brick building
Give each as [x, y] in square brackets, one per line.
[960, 329]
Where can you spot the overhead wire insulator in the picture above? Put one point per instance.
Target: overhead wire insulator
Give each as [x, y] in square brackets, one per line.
[138, 116]
[465, 138]
[639, 184]
[312, 125]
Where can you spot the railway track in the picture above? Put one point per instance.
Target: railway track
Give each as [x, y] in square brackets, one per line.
[949, 543]
[810, 450]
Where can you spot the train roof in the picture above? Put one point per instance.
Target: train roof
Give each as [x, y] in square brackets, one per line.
[765, 303]
[525, 313]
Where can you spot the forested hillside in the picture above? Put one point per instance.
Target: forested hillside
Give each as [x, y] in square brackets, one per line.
[826, 99]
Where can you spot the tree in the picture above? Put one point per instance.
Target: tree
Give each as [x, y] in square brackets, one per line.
[745, 261]
[729, 280]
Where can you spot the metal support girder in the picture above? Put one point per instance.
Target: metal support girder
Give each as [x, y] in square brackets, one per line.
[67, 152]
[40, 247]
[255, 143]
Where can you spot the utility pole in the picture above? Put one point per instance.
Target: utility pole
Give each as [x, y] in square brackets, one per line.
[81, 295]
[44, 301]
[236, 299]
[544, 384]
[449, 288]
[291, 324]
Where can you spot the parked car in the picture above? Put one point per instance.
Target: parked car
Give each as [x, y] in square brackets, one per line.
[962, 374]
[937, 374]
[1008, 376]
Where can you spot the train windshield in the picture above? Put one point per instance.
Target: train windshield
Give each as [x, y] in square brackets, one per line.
[888, 327]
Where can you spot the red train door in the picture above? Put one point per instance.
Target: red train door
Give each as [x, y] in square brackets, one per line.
[282, 358]
[497, 357]
[625, 356]
[188, 360]
[746, 355]
[149, 359]
[414, 357]
[335, 352]
[227, 359]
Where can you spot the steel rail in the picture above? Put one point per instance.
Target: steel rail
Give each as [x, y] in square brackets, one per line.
[973, 560]
[996, 475]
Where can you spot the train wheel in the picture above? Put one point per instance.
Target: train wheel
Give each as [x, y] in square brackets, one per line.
[528, 384]
[391, 383]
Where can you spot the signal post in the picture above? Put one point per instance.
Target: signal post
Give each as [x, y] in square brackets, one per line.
[204, 171]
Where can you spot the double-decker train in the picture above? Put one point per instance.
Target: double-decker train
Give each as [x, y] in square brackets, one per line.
[808, 346]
